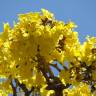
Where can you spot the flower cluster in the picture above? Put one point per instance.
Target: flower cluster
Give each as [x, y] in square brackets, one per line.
[33, 44]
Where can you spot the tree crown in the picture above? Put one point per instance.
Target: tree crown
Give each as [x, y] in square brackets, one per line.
[38, 42]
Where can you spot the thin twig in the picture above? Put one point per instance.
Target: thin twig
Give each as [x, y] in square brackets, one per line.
[13, 88]
[55, 66]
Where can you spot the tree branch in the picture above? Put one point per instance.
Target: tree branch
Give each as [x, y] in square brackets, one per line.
[24, 88]
[55, 66]
[13, 88]
[54, 83]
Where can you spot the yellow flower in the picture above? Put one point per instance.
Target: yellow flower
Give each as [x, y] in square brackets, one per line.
[1, 42]
[64, 75]
[47, 14]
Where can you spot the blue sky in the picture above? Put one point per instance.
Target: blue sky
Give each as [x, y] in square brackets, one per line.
[82, 12]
